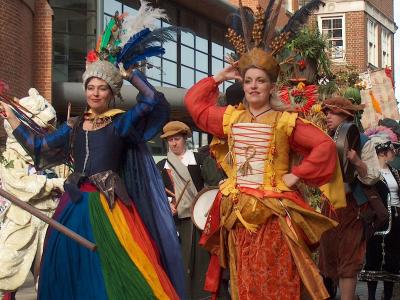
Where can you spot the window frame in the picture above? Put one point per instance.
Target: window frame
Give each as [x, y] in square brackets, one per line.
[198, 72]
[375, 61]
[388, 48]
[343, 38]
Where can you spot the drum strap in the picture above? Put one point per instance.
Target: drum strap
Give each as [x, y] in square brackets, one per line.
[183, 185]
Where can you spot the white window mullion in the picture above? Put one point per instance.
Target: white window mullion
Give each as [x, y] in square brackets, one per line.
[333, 29]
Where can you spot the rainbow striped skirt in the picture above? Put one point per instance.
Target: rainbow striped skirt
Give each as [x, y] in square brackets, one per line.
[126, 264]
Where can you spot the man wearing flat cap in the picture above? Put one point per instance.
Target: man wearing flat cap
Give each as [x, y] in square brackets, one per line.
[342, 249]
[182, 175]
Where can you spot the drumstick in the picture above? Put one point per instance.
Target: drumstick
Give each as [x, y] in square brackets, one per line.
[69, 111]
[170, 193]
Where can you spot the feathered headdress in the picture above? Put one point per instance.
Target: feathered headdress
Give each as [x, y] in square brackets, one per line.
[127, 42]
[254, 35]
[383, 131]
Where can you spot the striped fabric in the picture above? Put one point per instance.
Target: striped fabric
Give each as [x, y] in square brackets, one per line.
[126, 264]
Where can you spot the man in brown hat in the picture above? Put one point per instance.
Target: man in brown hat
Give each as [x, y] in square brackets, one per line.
[342, 249]
[182, 175]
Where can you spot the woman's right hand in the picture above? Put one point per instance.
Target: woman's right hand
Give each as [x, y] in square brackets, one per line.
[7, 113]
[230, 72]
[173, 209]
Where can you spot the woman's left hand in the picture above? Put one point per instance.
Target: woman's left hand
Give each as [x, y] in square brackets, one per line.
[290, 179]
[124, 73]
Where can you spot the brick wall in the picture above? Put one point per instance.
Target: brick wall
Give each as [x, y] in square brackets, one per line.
[25, 47]
[16, 46]
[250, 3]
[356, 40]
[384, 6]
[42, 48]
[15, 49]
[282, 18]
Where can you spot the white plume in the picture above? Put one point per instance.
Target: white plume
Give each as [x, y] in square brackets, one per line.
[145, 18]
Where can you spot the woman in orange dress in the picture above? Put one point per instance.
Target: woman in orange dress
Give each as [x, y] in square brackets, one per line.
[260, 228]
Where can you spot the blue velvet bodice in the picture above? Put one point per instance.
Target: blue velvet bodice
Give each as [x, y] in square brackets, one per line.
[105, 149]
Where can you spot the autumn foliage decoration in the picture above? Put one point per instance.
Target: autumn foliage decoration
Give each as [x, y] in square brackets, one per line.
[301, 97]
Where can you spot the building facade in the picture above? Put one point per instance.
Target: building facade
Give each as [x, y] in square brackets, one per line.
[26, 46]
[360, 33]
[44, 42]
[44, 45]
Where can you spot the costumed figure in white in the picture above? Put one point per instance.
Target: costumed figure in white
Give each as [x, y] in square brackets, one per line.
[21, 234]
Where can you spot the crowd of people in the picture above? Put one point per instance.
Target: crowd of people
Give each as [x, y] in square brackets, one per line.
[95, 175]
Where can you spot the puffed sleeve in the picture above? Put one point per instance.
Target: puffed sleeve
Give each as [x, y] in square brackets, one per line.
[46, 150]
[369, 157]
[144, 120]
[200, 101]
[318, 151]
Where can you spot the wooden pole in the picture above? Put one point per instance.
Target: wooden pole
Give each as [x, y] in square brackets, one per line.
[56, 225]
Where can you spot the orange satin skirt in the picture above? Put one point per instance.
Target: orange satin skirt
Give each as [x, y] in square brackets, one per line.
[265, 267]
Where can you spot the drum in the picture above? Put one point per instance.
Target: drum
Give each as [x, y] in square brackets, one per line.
[347, 137]
[202, 205]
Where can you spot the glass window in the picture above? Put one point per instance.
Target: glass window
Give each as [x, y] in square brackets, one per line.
[201, 61]
[73, 21]
[74, 30]
[170, 50]
[154, 73]
[332, 29]
[217, 50]
[228, 52]
[200, 75]
[187, 38]
[168, 85]
[303, 2]
[187, 56]
[155, 61]
[386, 48]
[289, 6]
[154, 82]
[188, 22]
[217, 65]
[71, 50]
[196, 138]
[111, 6]
[218, 34]
[74, 4]
[130, 10]
[169, 72]
[106, 19]
[201, 44]
[157, 24]
[187, 77]
[372, 43]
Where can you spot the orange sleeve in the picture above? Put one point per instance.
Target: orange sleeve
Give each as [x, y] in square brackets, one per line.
[200, 101]
[318, 151]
